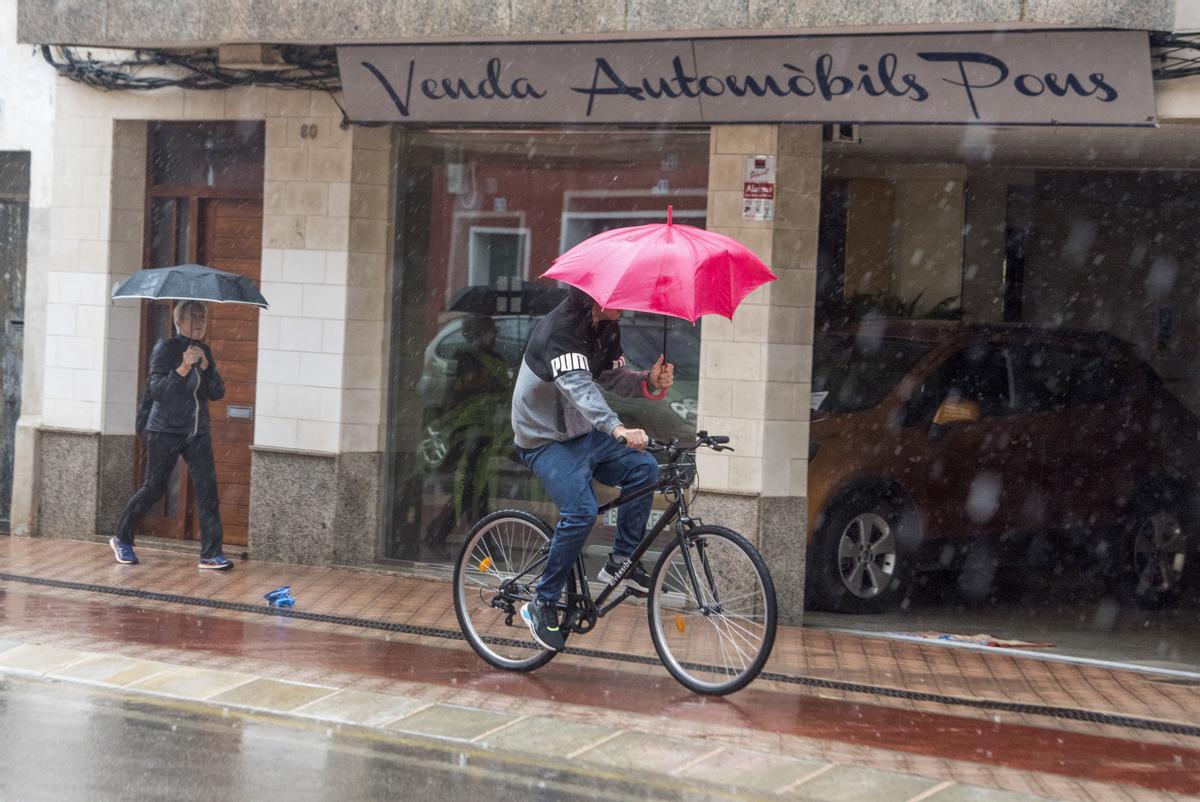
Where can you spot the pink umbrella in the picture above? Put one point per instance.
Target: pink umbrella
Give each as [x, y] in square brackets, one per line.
[682, 271]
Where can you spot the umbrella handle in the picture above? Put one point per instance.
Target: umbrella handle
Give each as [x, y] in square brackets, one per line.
[664, 350]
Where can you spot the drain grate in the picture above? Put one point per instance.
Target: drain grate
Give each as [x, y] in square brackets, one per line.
[1021, 708]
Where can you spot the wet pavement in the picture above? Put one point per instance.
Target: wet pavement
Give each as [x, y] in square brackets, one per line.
[67, 742]
[909, 744]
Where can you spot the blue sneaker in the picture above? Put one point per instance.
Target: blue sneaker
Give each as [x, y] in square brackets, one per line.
[218, 563]
[124, 552]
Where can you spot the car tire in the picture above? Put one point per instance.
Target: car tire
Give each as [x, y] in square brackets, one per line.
[860, 560]
[1151, 558]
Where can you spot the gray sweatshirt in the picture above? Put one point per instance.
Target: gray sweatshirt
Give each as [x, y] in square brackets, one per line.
[557, 395]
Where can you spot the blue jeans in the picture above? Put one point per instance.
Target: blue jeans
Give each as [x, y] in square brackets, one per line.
[566, 471]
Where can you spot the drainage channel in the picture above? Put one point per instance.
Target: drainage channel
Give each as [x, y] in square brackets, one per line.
[1066, 713]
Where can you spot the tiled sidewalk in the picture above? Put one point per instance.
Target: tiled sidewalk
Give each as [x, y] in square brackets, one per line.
[193, 641]
[817, 654]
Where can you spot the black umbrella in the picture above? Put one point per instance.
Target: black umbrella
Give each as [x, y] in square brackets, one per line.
[190, 283]
[526, 298]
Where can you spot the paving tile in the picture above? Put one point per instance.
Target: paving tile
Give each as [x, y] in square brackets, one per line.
[546, 736]
[39, 659]
[111, 669]
[360, 707]
[852, 784]
[747, 769]
[451, 721]
[192, 683]
[973, 793]
[635, 750]
[271, 694]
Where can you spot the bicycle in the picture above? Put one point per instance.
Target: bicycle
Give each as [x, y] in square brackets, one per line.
[711, 606]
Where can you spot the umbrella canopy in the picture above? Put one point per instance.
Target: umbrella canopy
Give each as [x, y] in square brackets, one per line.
[680, 271]
[190, 283]
[528, 298]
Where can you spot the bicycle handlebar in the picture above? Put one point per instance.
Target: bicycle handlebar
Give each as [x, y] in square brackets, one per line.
[717, 442]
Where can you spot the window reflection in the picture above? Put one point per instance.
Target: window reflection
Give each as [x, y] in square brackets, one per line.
[479, 218]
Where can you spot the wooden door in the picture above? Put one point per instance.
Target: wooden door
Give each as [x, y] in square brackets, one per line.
[227, 236]
[204, 205]
[231, 240]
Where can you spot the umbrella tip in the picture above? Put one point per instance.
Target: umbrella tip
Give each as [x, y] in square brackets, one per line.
[669, 210]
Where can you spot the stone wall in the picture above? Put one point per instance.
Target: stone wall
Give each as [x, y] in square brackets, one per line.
[69, 467]
[167, 23]
[314, 508]
[116, 480]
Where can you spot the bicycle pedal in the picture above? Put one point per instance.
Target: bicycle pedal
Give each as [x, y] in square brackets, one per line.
[508, 619]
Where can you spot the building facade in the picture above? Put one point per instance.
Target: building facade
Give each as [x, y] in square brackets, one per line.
[388, 250]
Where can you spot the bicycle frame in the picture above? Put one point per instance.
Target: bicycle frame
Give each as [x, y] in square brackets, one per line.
[582, 610]
[677, 513]
[672, 513]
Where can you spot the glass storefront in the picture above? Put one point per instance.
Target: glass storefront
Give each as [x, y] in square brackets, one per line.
[1004, 343]
[479, 217]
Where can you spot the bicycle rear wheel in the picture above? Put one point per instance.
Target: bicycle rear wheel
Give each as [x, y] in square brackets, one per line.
[503, 549]
[714, 634]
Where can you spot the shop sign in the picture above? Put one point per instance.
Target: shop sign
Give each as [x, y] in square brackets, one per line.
[758, 189]
[1068, 77]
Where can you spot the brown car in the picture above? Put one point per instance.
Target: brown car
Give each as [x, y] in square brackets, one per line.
[927, 437]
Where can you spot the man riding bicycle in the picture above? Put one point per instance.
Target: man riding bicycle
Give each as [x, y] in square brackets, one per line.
[566, 433]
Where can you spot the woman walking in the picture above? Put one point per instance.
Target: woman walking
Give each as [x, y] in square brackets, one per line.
[183, 379]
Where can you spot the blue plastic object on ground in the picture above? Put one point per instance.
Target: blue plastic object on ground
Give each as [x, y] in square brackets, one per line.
[281, 597]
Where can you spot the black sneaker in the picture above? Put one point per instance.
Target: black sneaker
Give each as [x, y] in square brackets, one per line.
[637, 578]
[543, 625]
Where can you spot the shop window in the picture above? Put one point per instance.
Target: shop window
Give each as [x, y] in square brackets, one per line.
[479, 218]
[498, 253]
[206, 154]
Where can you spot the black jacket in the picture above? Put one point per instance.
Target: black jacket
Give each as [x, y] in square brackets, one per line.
[566, 339]
[180, 403]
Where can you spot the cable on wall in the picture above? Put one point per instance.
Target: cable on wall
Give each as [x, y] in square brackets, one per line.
[305, 68]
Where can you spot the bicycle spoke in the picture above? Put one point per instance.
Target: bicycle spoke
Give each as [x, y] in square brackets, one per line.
[721, 644]
[725, 631]
[732, 630]
[730, 621]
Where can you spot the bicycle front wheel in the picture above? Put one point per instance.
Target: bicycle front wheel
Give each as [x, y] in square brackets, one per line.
[497, 569]
[712, 610]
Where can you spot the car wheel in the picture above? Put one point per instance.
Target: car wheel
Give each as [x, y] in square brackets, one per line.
[860, 559]
[1151, 558]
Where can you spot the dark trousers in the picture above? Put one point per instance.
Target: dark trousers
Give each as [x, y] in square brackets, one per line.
[566, 471]
[162, 452]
